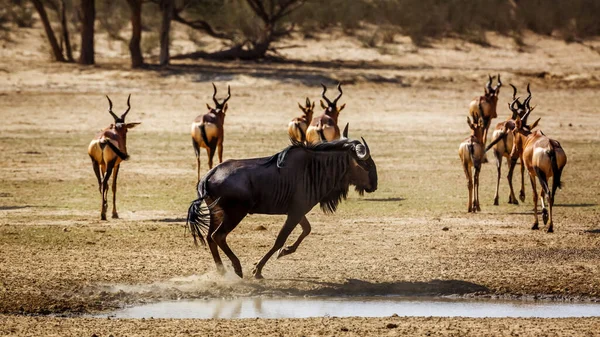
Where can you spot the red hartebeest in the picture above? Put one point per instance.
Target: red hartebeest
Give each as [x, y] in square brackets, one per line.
[208, 132]
[297, 126]
[324, 128]
[107, 150]
[471, 153]
[503, 148]
[543, 158]
[488, 102]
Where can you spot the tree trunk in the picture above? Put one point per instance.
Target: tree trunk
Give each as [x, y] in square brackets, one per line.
[65, 30]
[88, 14]
[58, 56]
[137, 58]
[165, 27]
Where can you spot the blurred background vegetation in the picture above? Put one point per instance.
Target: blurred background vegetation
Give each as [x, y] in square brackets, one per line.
[248, 28]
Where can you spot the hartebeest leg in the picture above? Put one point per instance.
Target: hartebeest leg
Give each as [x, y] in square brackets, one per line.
[211, 153]
[467, 169]
[554, 187]
[305, 231]
[115, 215]
[220, 151]
[486, 126]
[197, 152]
[109, 169]
[522, 192]
[231, 218]
[499, 169]
[535, 200]
[476, 190]
[512, 199]
[288, 227]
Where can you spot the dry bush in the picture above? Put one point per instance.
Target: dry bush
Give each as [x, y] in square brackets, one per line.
[113, 16]
[19, 12]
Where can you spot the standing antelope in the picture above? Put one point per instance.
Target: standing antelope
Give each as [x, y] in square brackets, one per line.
[471, 153]
[208, 130]
[107, 150]
[544, 158]
[503, 148]
[297, 127]
[488, 102]
[324, 128]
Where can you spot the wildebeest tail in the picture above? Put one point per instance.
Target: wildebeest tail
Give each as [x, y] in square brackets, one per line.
[121, 154]
[556, 172]
[198, 219]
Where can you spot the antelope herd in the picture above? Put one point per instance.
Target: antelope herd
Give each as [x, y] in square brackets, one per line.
[321, 164]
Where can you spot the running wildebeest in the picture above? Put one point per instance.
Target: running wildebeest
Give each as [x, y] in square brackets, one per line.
[107, 150]
[290, 182]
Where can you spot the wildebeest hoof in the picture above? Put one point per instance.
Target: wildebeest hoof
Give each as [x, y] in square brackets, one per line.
[285, 251]
[239, 273]
[535, 226]
[522, 196]
[257, 274]
[545, 216]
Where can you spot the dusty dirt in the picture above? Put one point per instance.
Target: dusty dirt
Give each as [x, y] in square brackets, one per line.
[411, 237]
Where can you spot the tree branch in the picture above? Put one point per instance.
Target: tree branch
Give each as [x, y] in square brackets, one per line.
[201, 25]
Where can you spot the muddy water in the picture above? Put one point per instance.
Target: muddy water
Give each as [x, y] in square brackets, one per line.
[292, 307]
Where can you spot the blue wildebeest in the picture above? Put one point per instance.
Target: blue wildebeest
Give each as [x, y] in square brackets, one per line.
[291, 182]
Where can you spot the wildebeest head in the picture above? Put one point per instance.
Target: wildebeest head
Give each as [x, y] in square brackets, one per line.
[220, 108]
[363, 171]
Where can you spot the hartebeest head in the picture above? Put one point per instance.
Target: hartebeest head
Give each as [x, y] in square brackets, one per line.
[120, 127]
[495, 91]
[220, 108]
[477, 128]
[331, 108]
[307, 110]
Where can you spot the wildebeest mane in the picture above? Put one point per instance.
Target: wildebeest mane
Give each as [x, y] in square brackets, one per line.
[324, 172]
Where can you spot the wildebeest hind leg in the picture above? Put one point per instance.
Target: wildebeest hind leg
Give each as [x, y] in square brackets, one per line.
[288, 227]
[305, 231]
[214, 249]
[231, 218]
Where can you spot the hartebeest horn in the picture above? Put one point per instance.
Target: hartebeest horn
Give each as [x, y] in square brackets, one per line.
[110, 105]
[128, 108]
[489, 83]
[499, 83]
[228, 95]
[323, 94]
[307, 102]
[339, 87]
[511, 106]
[215, 96]
[514, 90]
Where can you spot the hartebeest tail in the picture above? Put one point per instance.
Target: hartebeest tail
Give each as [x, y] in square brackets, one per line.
[297, 126]
[485, 106]
[107, 150]
[325, 127]
[544, 158]
[208, 130]
[471, 153]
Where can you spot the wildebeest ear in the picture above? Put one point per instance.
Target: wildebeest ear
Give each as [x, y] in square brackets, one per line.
[323, 104]
[132, 125]
[342, 107]
[345, 133]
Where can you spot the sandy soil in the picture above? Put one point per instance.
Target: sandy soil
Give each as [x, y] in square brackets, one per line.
[412, 237]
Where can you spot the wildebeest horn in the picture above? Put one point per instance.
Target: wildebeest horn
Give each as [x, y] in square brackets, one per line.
[215, 95]
[345, 133]
[362, 151]
[339, 87]
[499, 83]
[514, 90]
[128, 108]
[110, 109]
[323, 94]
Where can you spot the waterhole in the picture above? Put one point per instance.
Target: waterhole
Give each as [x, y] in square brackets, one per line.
[303, 307]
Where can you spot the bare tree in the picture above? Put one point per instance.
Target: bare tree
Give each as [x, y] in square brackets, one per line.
[270, 14]
[137, 58]
[56, 50]
[88, 15]
[167, 8]
[60, 8]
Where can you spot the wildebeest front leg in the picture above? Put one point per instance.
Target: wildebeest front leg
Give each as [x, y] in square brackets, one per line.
[288, 227]
[305, 231]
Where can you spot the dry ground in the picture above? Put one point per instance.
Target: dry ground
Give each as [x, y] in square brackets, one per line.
[411, 237]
